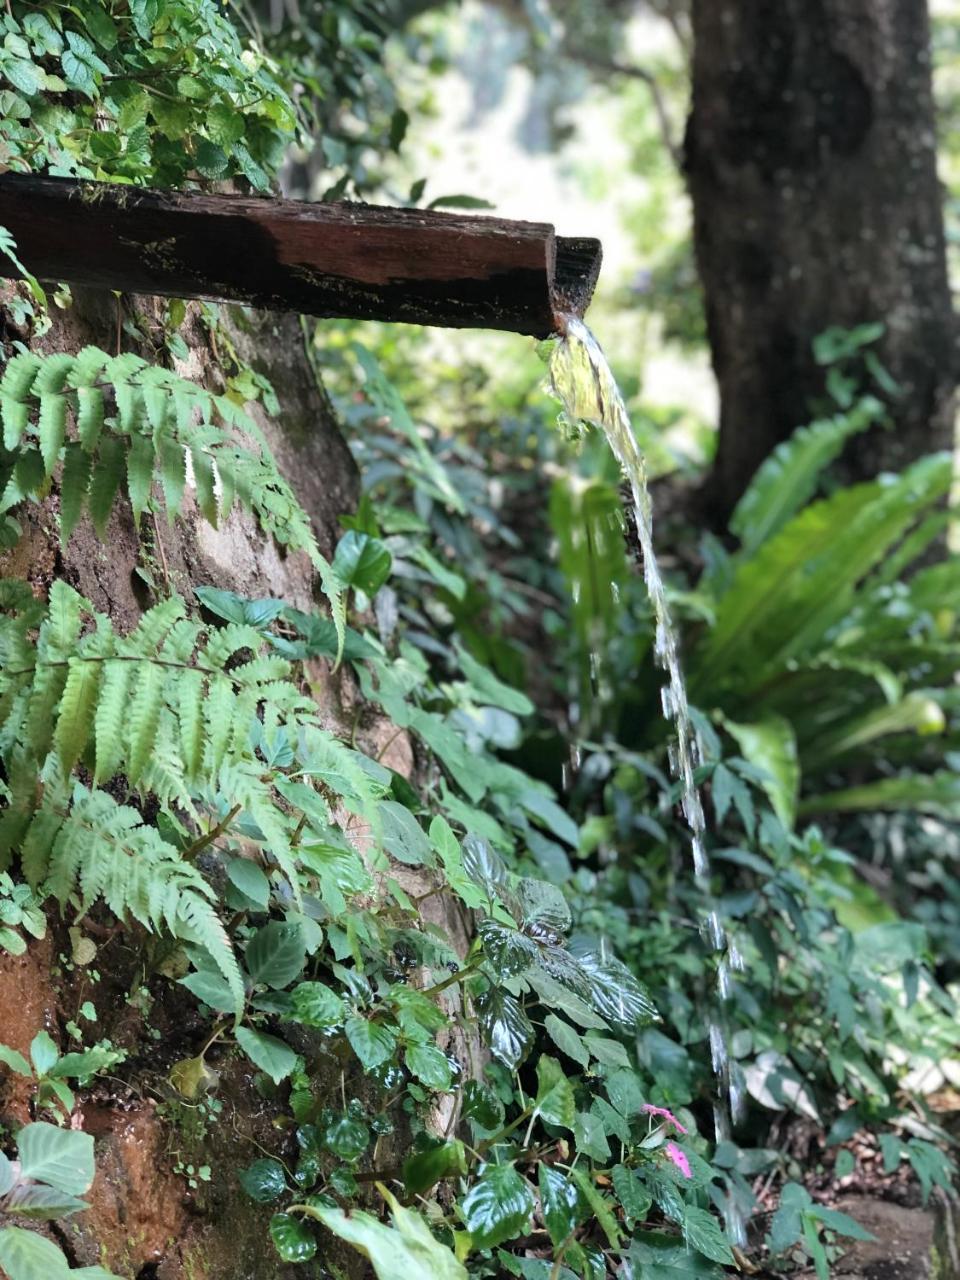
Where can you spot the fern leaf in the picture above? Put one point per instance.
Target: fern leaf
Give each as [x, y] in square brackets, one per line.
[20, 767]
[88, 365]
[90, 414]
[16, 419]
[109, 718]
[19, 374]
[152, 629]
[74, 484]
[787, 479]
[173, 474]
[52, 427]
[52, 374]
[142, 719]
[26, 480]
[47, 822]
[198, 922]
[139, 473]
[206, 488]
[190, 704]
[76, 713]
[218, 711]
[107, 477]
[61, 629]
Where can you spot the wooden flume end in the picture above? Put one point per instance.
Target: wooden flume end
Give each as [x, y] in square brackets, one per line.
[355, 261]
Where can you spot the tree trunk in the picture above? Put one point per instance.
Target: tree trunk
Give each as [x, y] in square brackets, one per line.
[812, 166]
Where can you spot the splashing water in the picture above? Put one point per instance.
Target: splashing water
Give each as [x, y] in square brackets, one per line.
[581, 379]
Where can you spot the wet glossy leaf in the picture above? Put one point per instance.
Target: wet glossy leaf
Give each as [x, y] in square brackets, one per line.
[372, 1042]
[497, 1206]
[508, 950]
[263, 1181]
[482, 1105]
[316, 1005]
[292, 1238]
[631, 1193]
[362, 561]
[560, 1200]
[484, 865]
[543, 906]
[347, 1138]
[616, 994]
[658, 1256]
[505, 1027]
[430, 1066]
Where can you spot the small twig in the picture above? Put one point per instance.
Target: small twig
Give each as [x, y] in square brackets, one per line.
[214, 833]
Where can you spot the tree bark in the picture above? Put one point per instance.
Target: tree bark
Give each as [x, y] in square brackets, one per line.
[811, 157]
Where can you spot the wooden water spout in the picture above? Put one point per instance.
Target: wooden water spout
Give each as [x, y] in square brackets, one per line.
[332, 260]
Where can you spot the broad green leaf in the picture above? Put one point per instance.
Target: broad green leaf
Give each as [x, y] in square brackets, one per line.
[43, 1053]
[316, 1005]
[430, 1066]
[560, 1201]
[703, 1232]
[424, 1169]
[657, 1256]
[276, 954]
[505, 1027]
[402, 835]
[555, 1099]
[263, 1181]
[347, 1138]
[372, 1042]
[267, 1052]
[24, 1255]
[497, 1207]
[210, 987]
[61, 1157]
[771, 745]
[34, 1200]
[787, 479]
[566, 1039]
[15, 1061]
[633, 1196]
[405, 1251]
[292, 1238]
[362, 561]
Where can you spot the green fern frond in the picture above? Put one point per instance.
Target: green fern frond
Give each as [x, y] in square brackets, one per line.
[51, 404]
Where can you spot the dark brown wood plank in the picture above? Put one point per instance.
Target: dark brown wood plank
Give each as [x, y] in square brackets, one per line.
[332, 260]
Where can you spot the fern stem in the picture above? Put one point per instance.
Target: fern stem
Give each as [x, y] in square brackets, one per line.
[190, 853]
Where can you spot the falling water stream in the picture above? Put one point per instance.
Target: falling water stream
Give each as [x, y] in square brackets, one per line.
[581, 379]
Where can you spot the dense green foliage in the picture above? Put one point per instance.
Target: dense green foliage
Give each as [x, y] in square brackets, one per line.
[180, 780]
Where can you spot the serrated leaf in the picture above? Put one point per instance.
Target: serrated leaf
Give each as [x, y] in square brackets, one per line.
[276, 954]
[562, 1205]
[424, 1169]
[372, 1042]
[505, 1027]
[555, 1100]
[703, 1232]
[497, 1207]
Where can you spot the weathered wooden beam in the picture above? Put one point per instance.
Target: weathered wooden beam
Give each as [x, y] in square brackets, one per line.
[334, 260]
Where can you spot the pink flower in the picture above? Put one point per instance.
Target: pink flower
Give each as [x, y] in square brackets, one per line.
[651, 1110]
[679, 1159]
